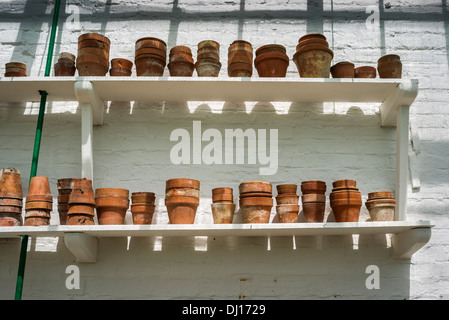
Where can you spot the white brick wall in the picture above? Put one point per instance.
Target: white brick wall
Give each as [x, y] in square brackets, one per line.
[131, 150]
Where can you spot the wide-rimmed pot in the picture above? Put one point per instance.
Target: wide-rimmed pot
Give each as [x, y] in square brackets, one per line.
[311, 36]
[111, 210]
[150, 42]
[256, 201]
[182, 183]
[288, 213]
[381, 209]
[313, 186]
[390, 67]
[223, 213]
[344, 183]
[181, 210]
[255, 186]
[143, 197]
[313, 61]
[346, 210]
[343, 70]
[272, 64]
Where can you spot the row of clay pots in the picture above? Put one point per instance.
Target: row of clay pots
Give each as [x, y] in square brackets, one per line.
[271, 61]
[223, 207]
[182, 200]
[15, 69]
[93, 55]
[256, 201]
[208, 59]
[287, 206]
[181, 62]
[11, 198]
[39, 202]
[388, 66]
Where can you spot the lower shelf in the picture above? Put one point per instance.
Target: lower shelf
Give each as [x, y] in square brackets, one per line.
[407, 236]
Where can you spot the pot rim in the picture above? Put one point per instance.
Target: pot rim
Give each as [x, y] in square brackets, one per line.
[94, 36]
[312, 47]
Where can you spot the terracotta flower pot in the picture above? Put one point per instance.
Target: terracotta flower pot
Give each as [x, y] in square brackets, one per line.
[365, 72]
[314, 206]
[344, 183]
[311, 36]
[152, 51]
[143, 198]
[223, 190]
[121, 63]
[223, 212]
[37, 217]
[82, 192]
[94, 36]
[240, 69]
[91, 65]
[390, 66]
[93, 44]
[11, 185]
[346, 210]
[222, 198]
[181, 210]
[150, 65]
[182, 183]
[39, 190]
[10, 219]
[287, 188]
[181, 68]
[313, 186]
[15, 69]
[313, 61]
[256, 201]
[208, 44]
[120, 72]
[111, 204]
[142, 213]
[206, 68]
[65, 186]
[256, 213]
[343, 70]
[272, 64]
[240, 45]
[80, 219]
[288, 213]
[381, 209]
[287, 199]
[65, 67]
[255, 186]
[186, 192]
[93, 55]
[151, 42]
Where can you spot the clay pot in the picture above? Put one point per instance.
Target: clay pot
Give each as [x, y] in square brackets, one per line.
[287, 189]
[240, 59]
[81, 203]
[121, 67]
[94, 36]
[80, 219]
[91, 65]
[343, 70]
[186, 192]
[142, 213]
[111, 204]
[346, 210]
[222, 198]
[314, 206]
[206, 68]
[313, 186]
[223, 190]
[150, 65]
[65, 67]
[255, 186]
[143, 197]
[381, 206]
[256, 201]
[11, 184]
[15, 69]
[10, 219]
[209, 44]
[182, 183]
[223, 212]
[181, 210]
[288, 213]
[287, 199]
[344, 183]
[390, 66]
[37, 217]
[39, 190]
[93, 55]
[272, 64]
[380, 195]
[150, 42]
[240, 69]
[120, 72]
[82, 192]
[256, 213]
[151, 51]
[239, 45]
[181, 68]
[313, 61]
[311, 36]
[38, 202]
[65, 186]
[365, 72]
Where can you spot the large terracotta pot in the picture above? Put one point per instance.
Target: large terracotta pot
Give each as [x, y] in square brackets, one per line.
[313, 61]
[11, 198]
[346, 210]
[93, 55]
[271, 61]
[81, 203]
[39, 190]
[390, 66]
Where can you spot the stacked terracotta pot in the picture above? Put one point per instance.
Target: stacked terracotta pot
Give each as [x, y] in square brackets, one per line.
[93, 55]
[313, 200]
[111, 204]
[121, 67]
[390, 66]
[81, 203]
[240, 59]
[287, 206]
[15, 69]
[345, 201]
[11, 198]
[256, 201]
[343, 69]
[182, 200]
[223, 206]
[313, 57]
[181, 62]
[65, 67]
[150, 56]
[365, 72]
[271, 61]
[208, 59]
[39, 202]
[142, 207]
[65, 187]
[381, 206]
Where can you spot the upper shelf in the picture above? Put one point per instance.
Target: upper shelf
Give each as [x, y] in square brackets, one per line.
[390, 93]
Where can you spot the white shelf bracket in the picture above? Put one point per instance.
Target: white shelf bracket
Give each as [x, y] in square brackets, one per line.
[82, 246]
[92, 110]
[404, 95]
[406, 243]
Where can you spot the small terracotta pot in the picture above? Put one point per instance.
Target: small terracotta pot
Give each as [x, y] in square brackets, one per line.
[313, 61]
[65, 67]
[150, 65]
[381, 209]
[313, 186]
[15, 69]
[38, 205]
[287, 188]
[82, 192]
[313, 211]
[344, 183]
[142, 213]
[288, 213]
[90, 65]
[11, 185]
[311, 36]
[346, 210]
[255, 186]
[256, 214]
[143, 198]
[256, 201]
[181, 68]
[121, 63]
[380, 195]
[223, 212]
[94, 36]
[287, 199]
[37, 217]
[111, 204]
[207, 68]
[209, 44]
[181, 210]
[390, 66]
[343, 70]
[182, 183]
[92, 43]
[365, 72]
[151, 42]
[312, 41]
[39, 190]
[272, 64]
[240, 69]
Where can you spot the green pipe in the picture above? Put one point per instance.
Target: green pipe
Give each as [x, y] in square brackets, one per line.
[37, 144]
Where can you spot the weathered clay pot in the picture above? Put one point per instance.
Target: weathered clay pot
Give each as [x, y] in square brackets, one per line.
[313, 61]
[37, 217]
[186, 192]
[381, 209]
[91, 65]
[208, 44]
[314, 206]
[181, 210]
[11, 184]
[121, 67]
[312, 41]
[142, 213]
[239, 45]
[287, 188]
[39, 190]
[288, 213]
[256, 213]
[240, 69]
[311, 36]
[111, 210]
[93, 44]
[272, 64]
[151, 51]
[11, 202]
[81, 203]
[256, 201]
[223, 212]
[380, 195]
[182, 183]
[222, 198]
[223, 190]
[346, 210]
[313, 186]
[15, 69]
[205, 68]
[143, 197]
[65, 67]
[82, 192]
[93, 55]
[365, 72]
[150, 65]
[181, 68]
[344, 183]
[151, 42]
[343, 70]
[94, 36]
[390, 66]
[10, 219]
[287, 199]
[255, 186]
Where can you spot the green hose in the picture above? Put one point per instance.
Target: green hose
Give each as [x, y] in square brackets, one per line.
[37, 144]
